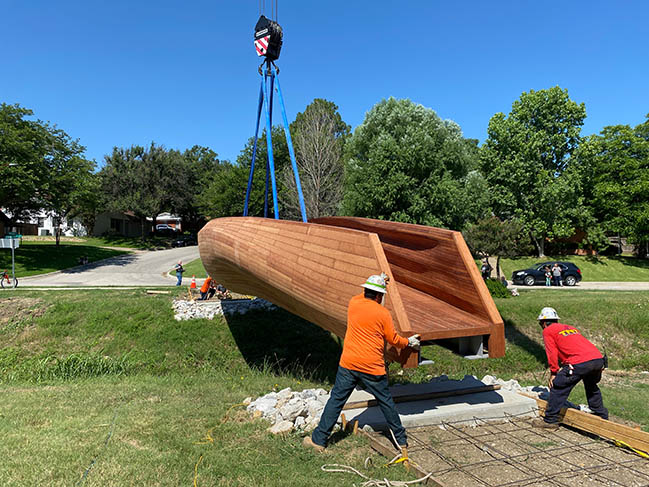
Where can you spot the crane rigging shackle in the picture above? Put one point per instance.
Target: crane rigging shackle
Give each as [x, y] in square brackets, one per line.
[268, 38]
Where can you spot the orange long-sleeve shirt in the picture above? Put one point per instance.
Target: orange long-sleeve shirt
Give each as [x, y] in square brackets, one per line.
[206, 285]
[368, 325]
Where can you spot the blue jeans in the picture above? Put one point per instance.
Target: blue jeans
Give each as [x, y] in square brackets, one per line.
[179, 275]
[346, 380]
[591, 373]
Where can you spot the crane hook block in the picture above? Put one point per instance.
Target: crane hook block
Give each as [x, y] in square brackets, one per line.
[268, 38]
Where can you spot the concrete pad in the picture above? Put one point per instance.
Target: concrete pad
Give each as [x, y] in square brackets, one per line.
[466, 407]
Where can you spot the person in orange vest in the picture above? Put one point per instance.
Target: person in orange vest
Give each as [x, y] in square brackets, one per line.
[572, 358]
[369, 325]
[207, 289]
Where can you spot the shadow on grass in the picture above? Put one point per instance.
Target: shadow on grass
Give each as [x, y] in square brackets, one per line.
[286, 344]
[38, 258]
[515, 337]
[632, 261]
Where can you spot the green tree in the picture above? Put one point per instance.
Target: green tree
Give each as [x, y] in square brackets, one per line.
[404, 163]
[193, 172]
[41, 167]
[140, 180]
[319, 135]
[491, 237]
[616, 179]
[526, 160]
[225, 193]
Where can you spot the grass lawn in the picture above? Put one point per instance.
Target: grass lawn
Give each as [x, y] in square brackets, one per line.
[106, 388]
[592, 269]
[41, 257]
[150, 243]
[195, 267]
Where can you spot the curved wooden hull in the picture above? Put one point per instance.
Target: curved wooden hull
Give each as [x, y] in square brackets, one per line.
[313, 269]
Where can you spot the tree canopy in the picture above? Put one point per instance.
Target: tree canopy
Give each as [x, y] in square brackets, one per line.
[526, 160]
[616, 166]
[42, 169]
[404, 163]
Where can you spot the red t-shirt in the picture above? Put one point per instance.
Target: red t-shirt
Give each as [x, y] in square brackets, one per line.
[368, 325]
[564, 343]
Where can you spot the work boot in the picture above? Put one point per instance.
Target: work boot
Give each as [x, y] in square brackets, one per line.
[541, 423]
[404, 454]
[307, 442]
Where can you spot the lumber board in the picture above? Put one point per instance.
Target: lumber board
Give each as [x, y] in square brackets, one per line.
[604, 428]
[422, 397]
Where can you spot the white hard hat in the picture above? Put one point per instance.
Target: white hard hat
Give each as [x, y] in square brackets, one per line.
[548, 314]
[376, 283]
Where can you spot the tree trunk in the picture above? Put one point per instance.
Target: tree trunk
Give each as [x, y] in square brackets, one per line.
[498, 267]
[142, 223]
[540, 245]
[57, 230]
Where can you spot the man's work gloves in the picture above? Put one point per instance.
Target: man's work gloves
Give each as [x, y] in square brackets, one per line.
[414, 342]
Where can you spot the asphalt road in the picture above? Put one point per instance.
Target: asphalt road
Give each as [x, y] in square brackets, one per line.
[139, 268]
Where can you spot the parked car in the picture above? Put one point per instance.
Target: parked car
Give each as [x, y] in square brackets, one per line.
[184, 241]
[164, 226]
[570, 274]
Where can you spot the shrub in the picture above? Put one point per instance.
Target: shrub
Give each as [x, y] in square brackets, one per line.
[497, 289]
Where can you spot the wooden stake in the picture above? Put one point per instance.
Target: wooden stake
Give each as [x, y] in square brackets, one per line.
[344, 421]
[355, 430]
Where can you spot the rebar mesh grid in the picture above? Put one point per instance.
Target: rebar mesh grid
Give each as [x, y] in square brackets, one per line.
[510, 452]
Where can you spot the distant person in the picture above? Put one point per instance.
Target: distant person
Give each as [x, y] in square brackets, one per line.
[179, 272]
[548, 275]
[207, 289]
[556, 275]
[486, 269]
[222, 292]
[571, 358]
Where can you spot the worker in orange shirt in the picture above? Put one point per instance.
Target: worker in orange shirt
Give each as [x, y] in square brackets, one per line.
[207, 289]
[369, 325]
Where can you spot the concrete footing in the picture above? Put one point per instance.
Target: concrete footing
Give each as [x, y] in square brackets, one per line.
[465, 407]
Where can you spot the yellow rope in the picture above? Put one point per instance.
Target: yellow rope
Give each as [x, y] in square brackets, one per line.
[196, 471]
[634, 450]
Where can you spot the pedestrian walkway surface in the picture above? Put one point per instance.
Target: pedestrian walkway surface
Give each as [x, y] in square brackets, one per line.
[491, 404]
[140, 268]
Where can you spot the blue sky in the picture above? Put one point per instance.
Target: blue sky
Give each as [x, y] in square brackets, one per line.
[117, 73]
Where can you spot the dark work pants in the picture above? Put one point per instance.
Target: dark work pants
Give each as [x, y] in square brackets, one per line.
[591, 373]
[346, 380]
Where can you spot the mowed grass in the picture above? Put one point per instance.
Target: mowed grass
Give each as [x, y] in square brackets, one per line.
[108, 384]
[194, 268]
[34, 258]
[605, 269]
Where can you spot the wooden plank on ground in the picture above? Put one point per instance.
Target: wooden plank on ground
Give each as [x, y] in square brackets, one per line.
[637, 439]
[422, 397]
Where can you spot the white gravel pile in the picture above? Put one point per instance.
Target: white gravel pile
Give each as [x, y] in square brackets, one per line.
[289, 410]
[189, 310]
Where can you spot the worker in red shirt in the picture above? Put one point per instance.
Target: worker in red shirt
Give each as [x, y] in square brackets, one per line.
[369, 326]
[571, 358]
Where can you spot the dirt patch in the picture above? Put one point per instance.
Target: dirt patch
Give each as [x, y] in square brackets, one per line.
[19, 310]
[513, 453]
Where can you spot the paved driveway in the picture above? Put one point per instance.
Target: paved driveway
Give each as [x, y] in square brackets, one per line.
[140, 268]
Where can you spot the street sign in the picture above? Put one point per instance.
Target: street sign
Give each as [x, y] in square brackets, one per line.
[9, 243]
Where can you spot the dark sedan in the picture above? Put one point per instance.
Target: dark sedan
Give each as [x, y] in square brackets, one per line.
[570, 274]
